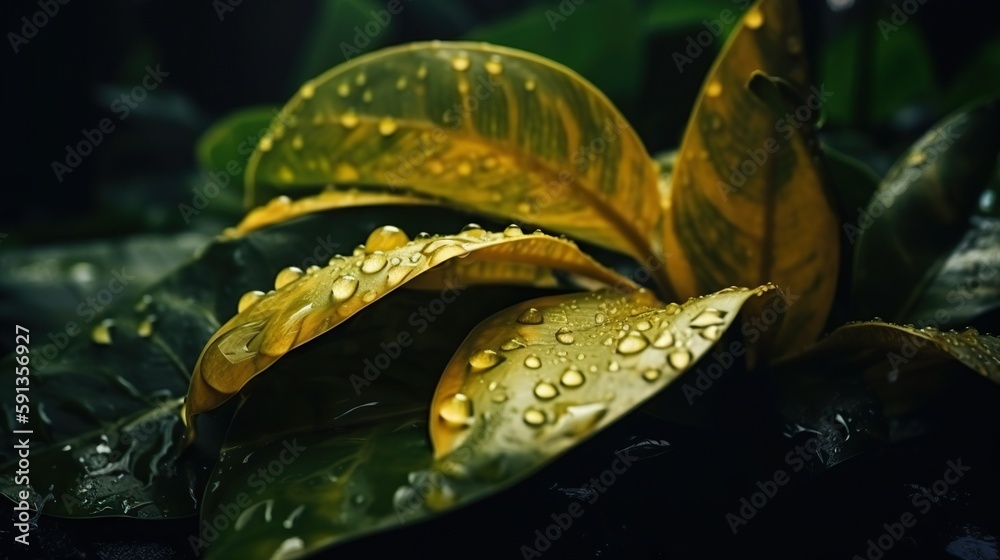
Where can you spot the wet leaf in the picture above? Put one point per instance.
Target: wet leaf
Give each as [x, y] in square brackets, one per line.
[306, 304]
[491, 129]
[748, 200]
[921, 212]
[225, 147]
[536, 379]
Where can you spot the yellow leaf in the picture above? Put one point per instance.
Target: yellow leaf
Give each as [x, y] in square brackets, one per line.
[305, 304]
[537, 378]
[282, 208]
[747, 202]
[492, 129]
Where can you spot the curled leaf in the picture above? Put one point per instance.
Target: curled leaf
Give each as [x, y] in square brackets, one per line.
[492, 129]
[537, 378]
[747, 202]
[305, 304]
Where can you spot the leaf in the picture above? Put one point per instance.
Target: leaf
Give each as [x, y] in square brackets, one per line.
[283, 209]
[536, 379]
[334, 36]
[307, 304]
[364, 463]
[490, 129]
[773, 221]
[921, 211]
[225, 147]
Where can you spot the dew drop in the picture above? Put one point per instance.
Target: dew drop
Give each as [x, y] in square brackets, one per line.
[248, 299]
[343, 89]
[714, 89]
[680, 358]
[672, 309]
[643, 326]
[664, 340]
[512, 231]
[287, 276]
[401, 83]
[632, 343]
[265, 143]
[373, 263]
[494, 65]
[512, 344]
[532, 362]
[297, 142]
[473, 230]
[456, 410]
[565, 336]
[101, 333]
[346, 172]
[754, 19]
[499, 397]
[369, 296]
[707, 318]
[545, 390]
[422, 72]
[360, 79]
[461, 62]
[349, 120]
[387, 126]
[571, 378]
[344, 287]
[600, 318]
[367, 96]
[613, 366]
[712, 333]
[484, 359]
[307, 90]
[651, 375]
[145, 329]
[464, 168]
[386, 238]
[530, 316]
[529, 85]
[534, 417]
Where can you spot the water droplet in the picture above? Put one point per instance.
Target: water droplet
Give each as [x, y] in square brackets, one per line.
[297, 142]
[579, 419]
[473, 230]
[664, 340]
[359, 250]
[415, 257]
[367, 96]
[401, 83]
[248, 299]
[456, 410]
[346, 172]
[643, 326]
[754, 19]
[672, 309]
[534, 417]
[512, 231]
[512, 344]
[613, 366]
[530, 316]
[545, 390]
[529, 84]
[344, 287]
[464, 168]
[712, 333]
[632, 343]
[494, 65]
[714, 89]
[343, 89]
[651, 374]
[101, 333]
[360, 79]
[287, 276]
[571, 378]
[532, 362]
[307, 90]
[373, 262]
[265, 143]
[564, 335]
[369, 296]
[386, 238]
[680, 358]
[489, 163]
[499, 397]
[422, 71]
[708, 317]
[349, 120]
[387, 126]
[600, 318]
[145, 329]
[461, 62]
[484, 359]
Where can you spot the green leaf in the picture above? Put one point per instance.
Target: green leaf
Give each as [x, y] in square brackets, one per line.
[920, 213]
[333, 38]
[226, 146]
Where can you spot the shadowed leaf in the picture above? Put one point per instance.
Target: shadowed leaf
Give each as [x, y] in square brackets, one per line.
[748, 202]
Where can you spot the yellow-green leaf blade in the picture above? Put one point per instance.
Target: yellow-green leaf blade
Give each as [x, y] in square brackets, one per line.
[537, 378]
[747, 202]
[493, 129]
[305, 304]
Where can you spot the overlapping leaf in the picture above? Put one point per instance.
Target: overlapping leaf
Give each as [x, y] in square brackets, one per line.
[492, 129]
[308, 303]
[748, 203]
